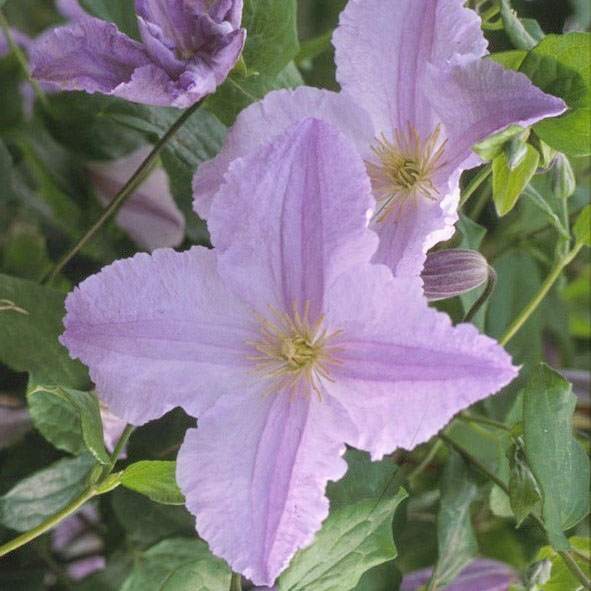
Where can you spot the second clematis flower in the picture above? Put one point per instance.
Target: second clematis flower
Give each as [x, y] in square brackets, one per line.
[416, 97]
[284, 341]
[188, 49]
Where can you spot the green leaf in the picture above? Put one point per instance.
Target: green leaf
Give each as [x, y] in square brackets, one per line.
[6, 189]
[81, 122]
[493, 146]
[312, 48]
[557, 460]
[509, 184]
[582, 227]
[524, 492]
[544, 206]
[511, 60]
[120, 12]
[272, 39]
[384, 577]
[561, 65]
[352, 540]
[515, 29]
[38, 497]
[364, 479]
[25, 251]
[155, 479]
[178, 564]
[31, 319]
[239, 91]
[146, 522]
[455, 535]
[561, 577]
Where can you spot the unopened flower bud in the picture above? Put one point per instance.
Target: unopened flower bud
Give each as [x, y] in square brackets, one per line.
[563, 178]
[516, 149]
[448, 273]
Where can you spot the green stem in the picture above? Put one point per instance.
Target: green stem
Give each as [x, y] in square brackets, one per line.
[413, 475]
[482, 175]
[107, 483]
[539, 296]
[575, 568]
[568, 559]
[128, 189]
[120, 445]
[236, 582]
[20, 56]
[484, 421]
[490, 286]
[49, 524]
[474, 460]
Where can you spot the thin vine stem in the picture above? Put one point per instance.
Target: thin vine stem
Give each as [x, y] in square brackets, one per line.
[532, 305]
[484, 421]
[416, 472]
[128, 189]
[236, 582]
[482, 175]
[119, 447]
[21, 58]
[48, 524]
[490, 286]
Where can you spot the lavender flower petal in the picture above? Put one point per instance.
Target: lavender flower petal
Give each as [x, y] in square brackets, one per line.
[70, 9]
[396, 345]
[273, 464]
[482, 574]
[262, 121]
[89, 55]
[161, 329]
[291, 192]
[383, 48]
[480, 98]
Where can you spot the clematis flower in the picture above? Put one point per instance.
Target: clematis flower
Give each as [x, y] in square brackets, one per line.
[285, 343]
[482, 574]
[150, 216]
[416, 97]
[188, 49]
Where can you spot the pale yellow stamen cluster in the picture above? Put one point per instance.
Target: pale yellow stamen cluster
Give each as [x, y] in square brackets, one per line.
[293, 353]
[405, 169]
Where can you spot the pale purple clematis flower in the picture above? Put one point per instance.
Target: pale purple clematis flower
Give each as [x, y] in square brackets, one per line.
[482, 574]
[189, 47]
[285, 343]
[150, 216]
[77, 536]
[416, 98]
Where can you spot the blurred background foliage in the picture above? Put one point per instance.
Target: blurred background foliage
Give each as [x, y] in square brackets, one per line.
[47, 202]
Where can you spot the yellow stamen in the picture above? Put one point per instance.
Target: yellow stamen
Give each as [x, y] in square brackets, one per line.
[293, 353]
[406, 169]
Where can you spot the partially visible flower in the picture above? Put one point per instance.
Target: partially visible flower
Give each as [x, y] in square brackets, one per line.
[285, 343]
[14, 423]
[188, 49]
[70, 9]
[452, 272]
[150, 216]
[77, 536]
[113, 427]
[482, 574]
[416, 97]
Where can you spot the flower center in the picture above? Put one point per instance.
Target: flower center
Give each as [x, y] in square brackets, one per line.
[293, 353]
[405, 168]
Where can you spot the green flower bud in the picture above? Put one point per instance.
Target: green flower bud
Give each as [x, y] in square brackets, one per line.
[563, 178]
